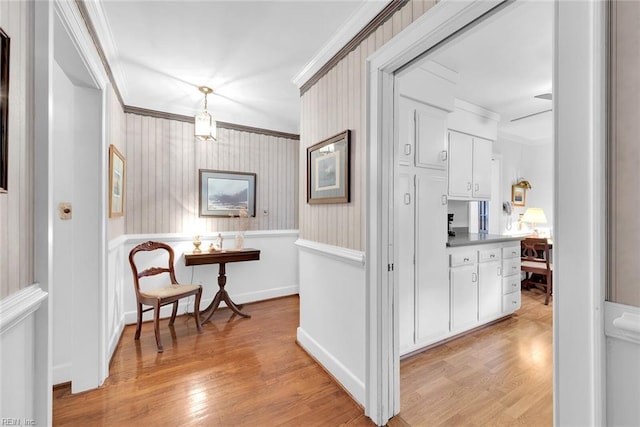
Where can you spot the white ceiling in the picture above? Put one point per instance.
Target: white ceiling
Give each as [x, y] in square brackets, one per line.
[247, 51]
[502, 63]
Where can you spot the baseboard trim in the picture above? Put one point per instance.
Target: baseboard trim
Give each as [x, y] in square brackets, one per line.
[61, 374]
[343, 376]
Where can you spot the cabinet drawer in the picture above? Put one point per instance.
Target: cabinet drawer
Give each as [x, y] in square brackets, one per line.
[511, 302]
[462, 258]
[511, 251]
[489, 255]
[510, 284]
[510, 267]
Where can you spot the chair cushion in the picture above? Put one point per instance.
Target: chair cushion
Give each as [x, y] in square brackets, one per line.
[169, 291]
[535, 264]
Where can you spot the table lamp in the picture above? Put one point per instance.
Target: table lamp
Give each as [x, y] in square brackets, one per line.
[534, 216]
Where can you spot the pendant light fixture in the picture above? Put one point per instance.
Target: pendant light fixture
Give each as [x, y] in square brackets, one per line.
[205, 126]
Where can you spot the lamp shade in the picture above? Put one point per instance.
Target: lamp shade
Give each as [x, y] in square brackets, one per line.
[534, 216]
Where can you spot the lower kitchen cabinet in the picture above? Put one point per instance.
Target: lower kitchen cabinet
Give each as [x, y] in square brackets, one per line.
[463, 281]
[489, 284]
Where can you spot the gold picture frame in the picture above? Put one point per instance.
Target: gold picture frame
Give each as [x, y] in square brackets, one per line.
[518, 195]
[117, 176]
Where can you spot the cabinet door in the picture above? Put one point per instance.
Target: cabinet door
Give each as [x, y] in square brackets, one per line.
[431, 142]
[432, 282]
[406, 131]
[460, 165]
[405, 202]
[482, 152]
[464, 297]
[489, 290]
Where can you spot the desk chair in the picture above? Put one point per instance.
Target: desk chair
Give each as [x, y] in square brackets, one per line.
[163, 295]
[536, 264]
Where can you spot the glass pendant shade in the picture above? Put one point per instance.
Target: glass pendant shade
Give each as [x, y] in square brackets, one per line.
[205, 126]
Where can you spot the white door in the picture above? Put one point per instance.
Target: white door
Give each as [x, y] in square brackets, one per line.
[431, 141]
[464, 297]
[482, 152]
[489, 290]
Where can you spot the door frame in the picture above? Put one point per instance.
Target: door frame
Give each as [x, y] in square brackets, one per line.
[579, 79]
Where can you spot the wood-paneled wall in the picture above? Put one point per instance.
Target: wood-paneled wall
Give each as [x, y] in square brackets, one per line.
[163, 159]
[335, 103]
[116, 136]
[625, 155]
[16, 206]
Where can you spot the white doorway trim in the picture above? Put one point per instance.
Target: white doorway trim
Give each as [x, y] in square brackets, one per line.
[578, 102]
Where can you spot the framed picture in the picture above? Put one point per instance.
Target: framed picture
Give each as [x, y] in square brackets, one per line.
[117, 177]
[328, 170]
[4, 111]
[518, 195]
[225, 193]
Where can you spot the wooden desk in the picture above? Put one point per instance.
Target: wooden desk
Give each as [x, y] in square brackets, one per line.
[221, 258]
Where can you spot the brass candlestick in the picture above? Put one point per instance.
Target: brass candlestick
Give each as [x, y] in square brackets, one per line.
[196, 245]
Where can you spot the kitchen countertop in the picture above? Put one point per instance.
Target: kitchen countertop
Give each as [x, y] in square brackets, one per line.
[467, 239]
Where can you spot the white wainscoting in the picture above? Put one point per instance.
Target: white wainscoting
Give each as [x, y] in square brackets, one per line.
[17, 353]
[622, 328]
[332, 312]
[274, 275]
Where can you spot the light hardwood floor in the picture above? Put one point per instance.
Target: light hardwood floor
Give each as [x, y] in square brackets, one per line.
[250, 372]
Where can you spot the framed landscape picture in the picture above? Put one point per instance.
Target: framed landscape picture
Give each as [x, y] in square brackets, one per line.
[518, 195]
[226, 193]
[116, 182]
[328, 170]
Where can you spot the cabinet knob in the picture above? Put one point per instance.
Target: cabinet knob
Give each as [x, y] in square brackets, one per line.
[407, 149]
[466, 260]
[407, 198]
[474, 277]
[477, 187]
[468, 186]
[443, 155]
[444, 199]
[499, 271]
[492, 256]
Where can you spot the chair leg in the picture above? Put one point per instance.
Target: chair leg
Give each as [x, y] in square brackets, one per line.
[139, 325]
[173, 313]
[196, 311]
[547, 289]
[156, 325]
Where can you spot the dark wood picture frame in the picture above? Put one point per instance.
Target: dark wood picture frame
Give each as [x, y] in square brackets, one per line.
[117, 182]
[226, 193]
[329, 170]
[4, 110]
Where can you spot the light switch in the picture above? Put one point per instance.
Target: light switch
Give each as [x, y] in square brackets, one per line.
[64, 210]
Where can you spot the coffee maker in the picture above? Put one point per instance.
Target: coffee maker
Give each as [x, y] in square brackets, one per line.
[450, 219]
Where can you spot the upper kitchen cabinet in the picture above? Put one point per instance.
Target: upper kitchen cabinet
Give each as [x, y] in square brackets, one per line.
[425, 101]
[472, 131]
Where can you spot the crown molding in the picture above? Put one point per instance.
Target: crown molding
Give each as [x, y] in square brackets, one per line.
[357, 28]
[358, 20]
[223, 125]
[102, 30]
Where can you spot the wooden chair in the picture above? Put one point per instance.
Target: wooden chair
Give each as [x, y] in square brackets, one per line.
[160, 296]
[536, 263]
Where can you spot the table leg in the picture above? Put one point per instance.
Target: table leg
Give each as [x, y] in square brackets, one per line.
[221, 295]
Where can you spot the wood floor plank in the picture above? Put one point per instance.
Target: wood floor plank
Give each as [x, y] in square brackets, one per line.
[250, 372]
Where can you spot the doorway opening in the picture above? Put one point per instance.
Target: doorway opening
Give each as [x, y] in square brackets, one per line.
[478, 96]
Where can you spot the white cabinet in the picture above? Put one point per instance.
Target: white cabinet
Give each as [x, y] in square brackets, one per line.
[405, 198]
[432, 284]
[422, 135]
[482, 153]
[489, 284]
[469, 167]
[423, 285]
[463, 281]
[511, 297]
